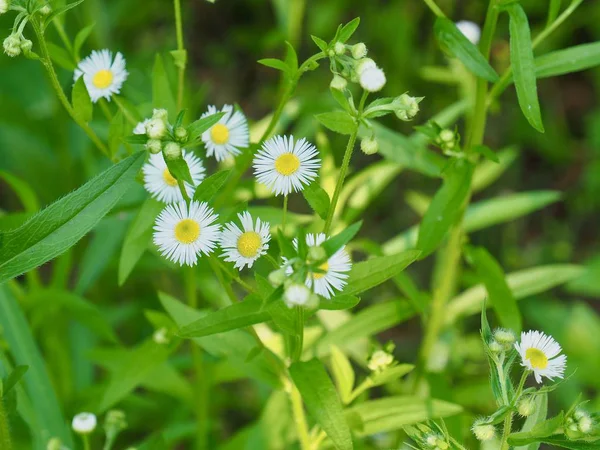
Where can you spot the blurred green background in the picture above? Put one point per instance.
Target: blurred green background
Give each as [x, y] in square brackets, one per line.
[39, 144]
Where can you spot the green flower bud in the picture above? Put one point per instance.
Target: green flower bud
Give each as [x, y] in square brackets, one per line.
[316, 253]
[359, 50]
[526, 406]
[408, 107]
[277, 277]
[447, 136]
[504, 337]
[585, 424]
[297, 295]
[160, 336]
[161, 114]
[156, 128]
[495, 347]
[26, 45]
[172, 150]
[338, 83]
[154, 146]
[46, 10]
[12, 45]
[483, 431]
[339, 48]
[4, 6]
[181, 134]
[54, 443]
[369, 146]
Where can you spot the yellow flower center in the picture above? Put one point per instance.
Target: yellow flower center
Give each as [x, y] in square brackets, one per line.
[287, 164]
[187, 231]
[169, 179]
[219, 134]
[103, 79]
[324, 268]
[248, 244]
[537, 358]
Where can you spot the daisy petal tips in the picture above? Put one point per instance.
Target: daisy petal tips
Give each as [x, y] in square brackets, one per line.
[182, 233]
[540, 354]
[285, 166]
[103, 75]
[159, 182]
[244, 246]
[228, 136]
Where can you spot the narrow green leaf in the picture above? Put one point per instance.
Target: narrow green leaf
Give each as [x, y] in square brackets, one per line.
[539, 415]
[521, 58]
[568, 60]
[82, 104]
[445, 207]
[239, 315]
[291, 59]
[320, 43]
[348, 30]
[61, 10]
[61, 57]
[339, 302]
[489, 171]
[333, 244]
[338, 121]
[81, 37]
[343, 374]
[368, 274]
[195, 129]
[178, 168]
[12, 379]
[491, 274]
[274, 64]
[162, 95]
[322, 401]
[564, 442]
[457, 44]
[211, 186]
[59, 226]
[116, 132]
[539, 431]
[317, 198]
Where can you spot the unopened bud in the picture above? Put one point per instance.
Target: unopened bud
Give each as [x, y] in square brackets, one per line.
[585, 424]
[470, 30]
[154, 146]
[172, 150]
[526, 406]
[364, 64]
[161, 114]
[380, 360]
[372, 79]
[338, 83]
[26, 45]
[54, 443]
[4, 6]
[296, 295]
[46, 10]
[156, 128]
[495, 347]
[12, 45]
[359, 50]
[484, 432]
[277, 277]
[160, 336]
[504, 337]
[369, 146]
[447, 136]
[339, 48]
[115, 421]
[408, 107]
[84, 423]
[181, 134]
[316, 253]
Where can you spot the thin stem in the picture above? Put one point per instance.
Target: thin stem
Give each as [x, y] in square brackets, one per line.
[234, 276]
[180, 47]
[435, 8]
[340, 181]
[62, 34]
[105, 109]
[189, 275]
[299, 418]
[5, 441]
[214, 263]
[47, 62]
[285, 207]
[508, 420]
[86, 441]
[299, 335]
[126, 113]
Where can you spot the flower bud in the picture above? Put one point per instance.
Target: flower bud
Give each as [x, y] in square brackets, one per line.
[12, 45]
[140, 128]
[277, 277]
[54, 443]
[504, 337]
[154, 146]
[26, 45]
[495, 347]
[156, 128]
[380, 360]
[296, 295]
[316, 253]
[526, 406]
[338, 83]
[161, 114]
[359, 50]
[115, 421]
[369, 146]
[4, 6]
[172, 150]
[339, 48]
[447, 136]
[181, 134]
[372, 79]
[483, 432]
[408, 107]
[46, 10]
[160, 336]
[585, 424]
[84, 423]
[364, 64]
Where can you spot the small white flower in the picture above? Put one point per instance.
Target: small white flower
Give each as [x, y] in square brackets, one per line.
[539, 353]
[103, 76]
[245, 247]
[285, 166]
[380, 360]
[182, 233]
[470, 29]
[162, 185]
[296, 295]
[332, 274]
[372, 79]
[140, 128]
[12, 45]
[84, 423]
[228, 136]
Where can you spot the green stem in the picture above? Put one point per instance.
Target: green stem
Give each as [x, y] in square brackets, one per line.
[299, 418]
[5, 441]
[180, 47]
[285, 207]
[105, 109]
[298, 338]
[127, 114]
[214, 263]
[47, 62]
[508, 420]
[435, 8]
[340, 181]
[63, 35]
[189, 276]
[86, 441]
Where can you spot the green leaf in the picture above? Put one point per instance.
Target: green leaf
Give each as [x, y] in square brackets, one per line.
[368, 274]
[489, 171]
[25, 193]
[538, 416]
[487, 153]
[491, 274]
[322, 401]
[291, 59]
[180, 58]
[82, 104]
[323, 46]
[195, 129]
[116, 132]
[61, 57]
[568, 60]
[239, 315]
[521, 58]
[457, 44]
[12, 379]
[348, 30]
[393, 413]
[211, 186]
[59, 226]
[275, 64]
[49, 419]
[338, 121]
[317, 198]
[333, 244]
[80, 39]
[339, 302]
[57, 12]
[178, 168]
[138, 237]
[523, 284]
[561, 441]
[162, 95]
[539, 431]
[445, 207]
[343, 374]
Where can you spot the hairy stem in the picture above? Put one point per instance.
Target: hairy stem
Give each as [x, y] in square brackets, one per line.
[47, 62]
[509, 418]
[5, 441]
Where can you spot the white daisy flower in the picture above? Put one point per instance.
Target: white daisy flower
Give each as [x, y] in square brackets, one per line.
[470, 29]
[284, 166]
[162, 185]
[332, 274]
[182, 233]
[84, 423]
[228, 136]
[140, 128]
[372, 79]
[103, 76]
[245, 247]
[539, 354]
